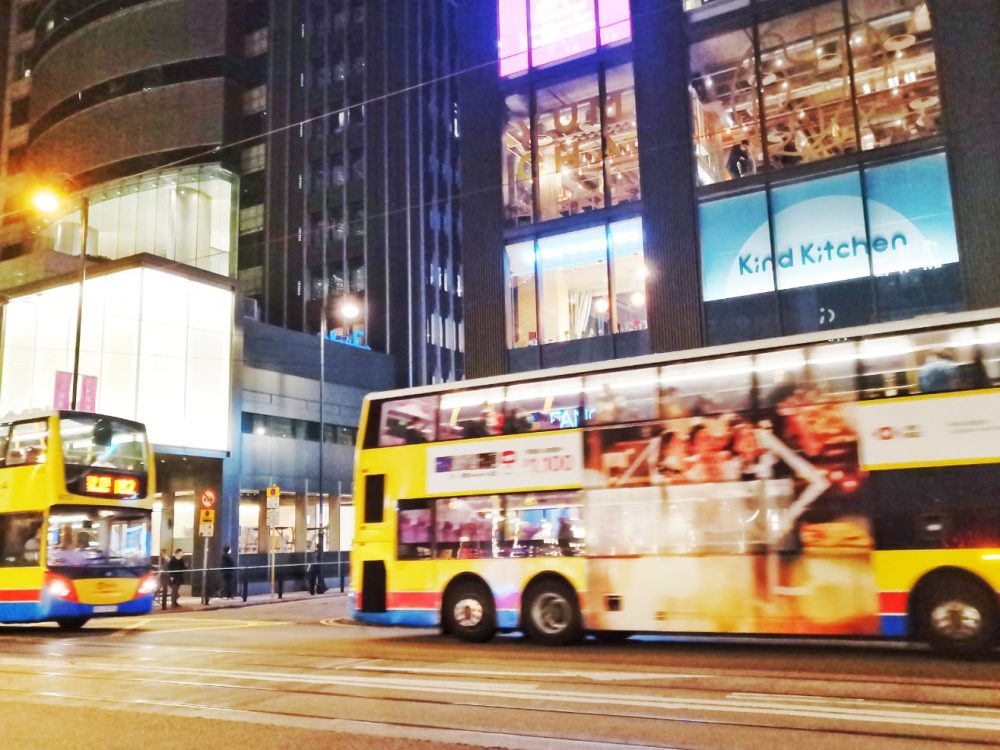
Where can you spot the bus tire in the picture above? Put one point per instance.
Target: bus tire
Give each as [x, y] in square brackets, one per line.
[71, 623]
[469, 612]
[958, 617]
[552, 613]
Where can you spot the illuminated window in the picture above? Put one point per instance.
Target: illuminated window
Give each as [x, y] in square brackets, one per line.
[571, 298]
[570, 162]
[558, 30]
[895, 71]
[725, 107]
[255, 100]
[583, 148]
[252, 219]
[253, 159]
[255, 43]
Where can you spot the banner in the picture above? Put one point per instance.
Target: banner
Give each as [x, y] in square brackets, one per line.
[933, 430]
[552, 459]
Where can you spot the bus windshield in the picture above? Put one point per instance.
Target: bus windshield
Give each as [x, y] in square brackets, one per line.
[83, 536]
[103, 442]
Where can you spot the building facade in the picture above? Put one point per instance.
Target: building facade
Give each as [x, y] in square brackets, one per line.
[256, 173]
[658, 175]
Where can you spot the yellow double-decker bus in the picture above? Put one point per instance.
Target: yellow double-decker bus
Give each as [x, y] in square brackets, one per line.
[802, 486]
[76, 495]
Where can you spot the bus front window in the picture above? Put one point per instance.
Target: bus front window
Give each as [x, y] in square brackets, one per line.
[103, 442]
[81, 536]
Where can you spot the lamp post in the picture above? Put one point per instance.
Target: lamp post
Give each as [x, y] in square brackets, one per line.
[348, 311]
[46, 202]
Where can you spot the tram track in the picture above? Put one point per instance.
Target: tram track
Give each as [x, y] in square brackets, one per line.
[414, 693]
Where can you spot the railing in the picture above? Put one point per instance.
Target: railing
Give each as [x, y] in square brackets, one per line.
[312, 576]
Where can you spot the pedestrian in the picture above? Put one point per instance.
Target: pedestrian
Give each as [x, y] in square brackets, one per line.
[176, 567]
[164, 576]
[228, 565]
[740, 162]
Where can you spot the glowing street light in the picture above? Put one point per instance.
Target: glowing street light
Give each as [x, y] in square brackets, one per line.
[45, 201]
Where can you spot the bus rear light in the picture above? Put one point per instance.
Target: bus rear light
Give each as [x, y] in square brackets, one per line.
[148, 584]
[60, 587]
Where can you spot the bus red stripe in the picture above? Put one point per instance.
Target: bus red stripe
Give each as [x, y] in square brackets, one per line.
[20, 595]
[893, 602]
[413, 600]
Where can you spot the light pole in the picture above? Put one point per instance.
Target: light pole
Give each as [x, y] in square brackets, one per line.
[347, 311]
[47, 202]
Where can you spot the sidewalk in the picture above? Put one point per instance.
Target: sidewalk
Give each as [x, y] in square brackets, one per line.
[193, 603]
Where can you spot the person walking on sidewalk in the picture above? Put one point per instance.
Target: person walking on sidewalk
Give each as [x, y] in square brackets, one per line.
[176, 567]
[228, 565]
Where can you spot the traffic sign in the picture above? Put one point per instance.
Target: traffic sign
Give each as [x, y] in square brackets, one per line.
[272, 517]
[208, 499]
[206, 529]
[207, 515]
[273, 496]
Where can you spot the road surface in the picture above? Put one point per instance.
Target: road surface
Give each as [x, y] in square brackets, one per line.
[297, 674]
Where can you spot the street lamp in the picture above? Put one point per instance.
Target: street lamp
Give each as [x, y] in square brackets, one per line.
[46, 201]
[348, 311]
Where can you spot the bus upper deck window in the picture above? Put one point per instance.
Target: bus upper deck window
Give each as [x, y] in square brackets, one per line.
[471, 414]
[407, 421]
[627, 396]
[544, 405]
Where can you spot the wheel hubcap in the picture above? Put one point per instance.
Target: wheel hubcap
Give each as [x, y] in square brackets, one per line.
[468, 612]
[551, 613]
[957, 619]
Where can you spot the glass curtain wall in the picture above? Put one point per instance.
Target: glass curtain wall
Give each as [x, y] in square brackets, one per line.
[184, 215]
[570, 147]
[813, 85]
[576, 285]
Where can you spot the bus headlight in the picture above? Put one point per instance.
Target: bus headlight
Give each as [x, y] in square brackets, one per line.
[148, 584]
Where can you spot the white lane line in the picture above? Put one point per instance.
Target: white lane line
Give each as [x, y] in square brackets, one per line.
[375, 729]
[924, 715]
[562, 674]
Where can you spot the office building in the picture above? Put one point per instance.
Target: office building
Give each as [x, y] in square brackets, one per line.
[659, 175]
[252, 180]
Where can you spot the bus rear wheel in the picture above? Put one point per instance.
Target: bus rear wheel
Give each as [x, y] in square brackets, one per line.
[71, 623]
[469, 612]
[959, 618]
[552, 614]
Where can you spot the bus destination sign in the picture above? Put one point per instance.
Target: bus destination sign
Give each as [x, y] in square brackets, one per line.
[109, 485]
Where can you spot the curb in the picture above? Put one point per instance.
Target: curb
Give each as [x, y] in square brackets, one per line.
[197, 606]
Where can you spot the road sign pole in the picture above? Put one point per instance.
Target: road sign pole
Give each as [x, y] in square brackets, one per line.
[204, 573]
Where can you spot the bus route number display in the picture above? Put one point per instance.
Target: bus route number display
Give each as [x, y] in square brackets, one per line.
[112, 486]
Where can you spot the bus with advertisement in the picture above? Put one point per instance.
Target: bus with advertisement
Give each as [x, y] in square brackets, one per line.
[76, 493]
[802, 486]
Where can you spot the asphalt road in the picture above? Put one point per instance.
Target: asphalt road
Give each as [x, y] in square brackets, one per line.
[298, 674]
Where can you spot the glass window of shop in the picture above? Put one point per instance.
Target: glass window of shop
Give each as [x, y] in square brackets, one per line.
[570, 160]
[578, 276]
[184, 215]
[522, 300]
[568, 149]
[835, 254]
[830, 84]
[725, 107]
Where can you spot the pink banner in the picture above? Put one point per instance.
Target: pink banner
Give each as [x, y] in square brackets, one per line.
[86, 397]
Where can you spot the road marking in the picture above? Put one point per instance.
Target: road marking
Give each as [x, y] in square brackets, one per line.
[587, 675]
[193, 625]
[872, 712]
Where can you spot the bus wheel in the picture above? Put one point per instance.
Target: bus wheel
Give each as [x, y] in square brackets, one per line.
[552, 616]
[469, 612]
[958, 618]
[71, 623]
